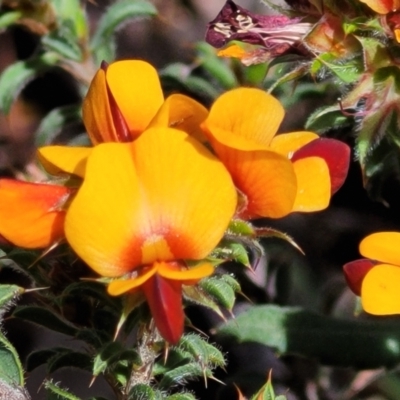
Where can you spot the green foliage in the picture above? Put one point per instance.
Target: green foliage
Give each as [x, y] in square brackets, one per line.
[215, 66]
[46, 318]
[11, 370]
[54, 122]
[220, 290]
[327, 118]
[192, 358]
[17, 75]
[102, 44]
[8, 295]
[333, 341]
[54, 392]
[267, 392]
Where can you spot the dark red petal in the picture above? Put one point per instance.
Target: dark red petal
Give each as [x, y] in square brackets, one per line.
[335, 153]
[164, 297]
[121, 127]
[355, 271]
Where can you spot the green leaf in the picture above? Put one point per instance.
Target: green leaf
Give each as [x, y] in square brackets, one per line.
[56, 393]
[327, 118]
[8, 295]
[198, 296]
[359, 343]
[11, 370]
[9, 18]
[182, 374]
[201, 351]
[69, 358]
[17, 75]
[63, 42]
[182, 396]
[215, 66]
[115, 16]
[95, 290]
[72, 12]
[142, 391]
[46, 318]
[54, 122]
[220, 290]
[40, 357]
[106, 356]
[240, 227]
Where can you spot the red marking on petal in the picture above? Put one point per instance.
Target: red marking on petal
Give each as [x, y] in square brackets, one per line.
[335, 153]
[355, 271]
[104, 65]
[121, 127]
[164, 297]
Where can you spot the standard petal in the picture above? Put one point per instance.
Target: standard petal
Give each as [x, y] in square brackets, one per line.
[382, 246]
[190, 195]
[266, 178]
[63, 159]
[244, 119]
[182, 112]
[161, 197]
[336, 155]
[355, 271]
[101, 224]
[31, 214]
[287, 143]
[313, 184]
[96, 111]
[380, 293]
[136, 89]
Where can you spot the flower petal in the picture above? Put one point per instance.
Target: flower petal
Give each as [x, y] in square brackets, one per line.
[244, 119]
[382, 246]
[121, 286]
[186, 275]
[336, 155]
[31, 214]
[136, 89]
[287, 143]
[382, 6]
[63, 159]
[380, 293]
[313, 184]
[266, 178]
[355, 271]
[164, 297]
[161, 197]
[182, 112]
[96, 111]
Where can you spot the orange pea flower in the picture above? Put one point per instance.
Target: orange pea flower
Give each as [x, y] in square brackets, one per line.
[377, 278]
[124, 98]
[31, 214]
[144, 209]
[279, 174]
